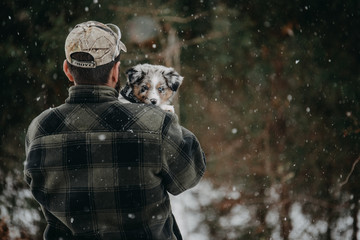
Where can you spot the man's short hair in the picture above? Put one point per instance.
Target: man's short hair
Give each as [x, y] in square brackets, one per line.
[90, 76]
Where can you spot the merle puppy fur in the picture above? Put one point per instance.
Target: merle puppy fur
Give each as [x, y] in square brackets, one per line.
[151, 84]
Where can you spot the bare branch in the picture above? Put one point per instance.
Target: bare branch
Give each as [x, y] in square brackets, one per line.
[210, 36]
[182, 19]
[352, 170]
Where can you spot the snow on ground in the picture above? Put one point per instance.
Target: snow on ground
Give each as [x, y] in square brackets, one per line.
[187, 208]
[20, 213]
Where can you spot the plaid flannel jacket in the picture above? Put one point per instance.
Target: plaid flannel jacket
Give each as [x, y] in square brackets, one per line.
[101, 169]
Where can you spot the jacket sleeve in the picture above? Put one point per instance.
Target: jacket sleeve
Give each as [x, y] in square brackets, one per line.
[55, 229]
[33, 176]
[29, 138]
[183, 161]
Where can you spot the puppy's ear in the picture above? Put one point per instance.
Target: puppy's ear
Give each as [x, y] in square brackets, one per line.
[173, 79]
[134, 76]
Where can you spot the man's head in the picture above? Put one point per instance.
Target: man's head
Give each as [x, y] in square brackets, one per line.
[92, 52]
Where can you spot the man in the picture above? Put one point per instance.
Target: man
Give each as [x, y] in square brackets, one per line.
[101, 169]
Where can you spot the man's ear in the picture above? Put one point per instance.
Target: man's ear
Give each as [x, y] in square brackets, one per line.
[114, 74]
[67, 71]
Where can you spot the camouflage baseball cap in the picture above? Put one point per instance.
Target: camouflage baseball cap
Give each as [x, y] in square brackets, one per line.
[101, 41]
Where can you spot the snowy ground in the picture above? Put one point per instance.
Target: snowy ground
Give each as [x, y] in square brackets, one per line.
[186, 208]
[190, 218]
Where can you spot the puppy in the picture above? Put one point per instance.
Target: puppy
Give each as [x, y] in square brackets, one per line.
[151, 84]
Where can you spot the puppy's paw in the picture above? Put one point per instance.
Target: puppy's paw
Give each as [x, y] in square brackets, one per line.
[168, 108]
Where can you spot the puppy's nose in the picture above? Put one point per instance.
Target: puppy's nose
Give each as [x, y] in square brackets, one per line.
[153, 101]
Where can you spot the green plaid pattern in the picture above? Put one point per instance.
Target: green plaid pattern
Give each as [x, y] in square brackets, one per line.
[101, 169]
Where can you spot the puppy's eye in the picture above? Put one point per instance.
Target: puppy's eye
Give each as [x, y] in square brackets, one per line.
[144, 88]
[161, 89]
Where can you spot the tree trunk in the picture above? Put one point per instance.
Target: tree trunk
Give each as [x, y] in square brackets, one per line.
[354, 213]
[285, 221]
[172, 54]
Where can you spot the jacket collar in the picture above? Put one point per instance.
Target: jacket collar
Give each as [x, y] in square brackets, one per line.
[91, 94]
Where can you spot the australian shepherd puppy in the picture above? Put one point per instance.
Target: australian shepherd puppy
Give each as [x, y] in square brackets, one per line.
[151, 84]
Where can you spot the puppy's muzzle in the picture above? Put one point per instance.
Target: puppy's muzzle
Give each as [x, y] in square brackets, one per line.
[153, 101]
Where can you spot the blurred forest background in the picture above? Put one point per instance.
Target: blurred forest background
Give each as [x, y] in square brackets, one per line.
[271, 89]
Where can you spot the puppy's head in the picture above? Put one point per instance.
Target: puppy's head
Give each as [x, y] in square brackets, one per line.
[153, 84]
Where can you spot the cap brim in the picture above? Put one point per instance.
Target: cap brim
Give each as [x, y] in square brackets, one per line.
[122, 46]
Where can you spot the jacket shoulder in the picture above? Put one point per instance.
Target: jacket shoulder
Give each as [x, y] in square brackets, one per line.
[45, 123]
[145, 116]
